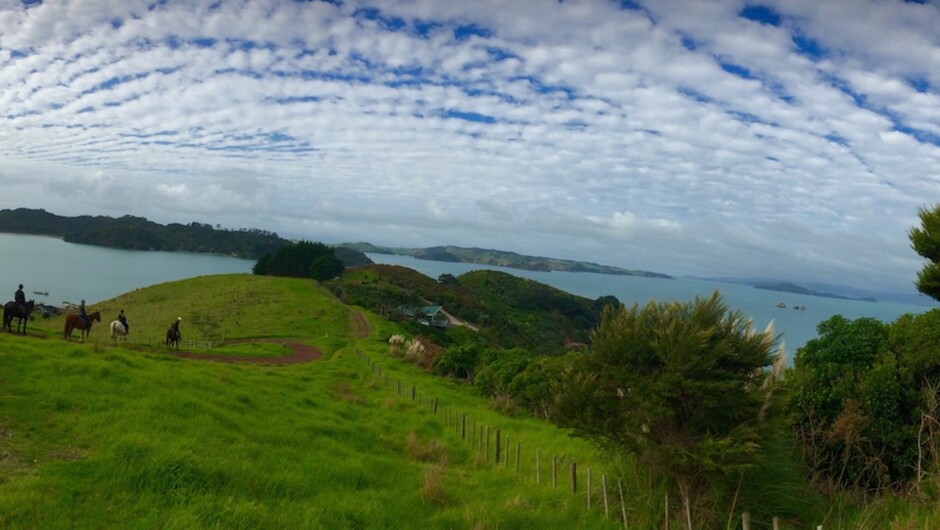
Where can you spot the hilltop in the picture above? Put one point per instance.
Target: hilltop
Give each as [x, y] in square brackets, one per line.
[95, 436]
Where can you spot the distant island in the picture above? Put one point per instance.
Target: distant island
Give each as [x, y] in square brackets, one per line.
[793, 288]
[500, 258]
[136, 233]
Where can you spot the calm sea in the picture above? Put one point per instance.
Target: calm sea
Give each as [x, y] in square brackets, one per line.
[796, 326]
[70, 272]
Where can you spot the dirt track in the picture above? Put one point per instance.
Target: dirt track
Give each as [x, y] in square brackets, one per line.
[302, 354]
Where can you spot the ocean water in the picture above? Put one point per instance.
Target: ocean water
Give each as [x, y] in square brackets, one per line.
[796, 326]
[70, 272]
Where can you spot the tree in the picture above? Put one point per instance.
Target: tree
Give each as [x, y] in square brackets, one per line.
[678, 385]
[926, 242]
[301, 260]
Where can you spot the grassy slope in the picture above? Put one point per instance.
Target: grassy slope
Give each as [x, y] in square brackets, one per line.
[93, 436]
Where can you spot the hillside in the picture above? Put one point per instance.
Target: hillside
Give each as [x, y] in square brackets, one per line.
[509, 311]
[94, 436]
[501, 258]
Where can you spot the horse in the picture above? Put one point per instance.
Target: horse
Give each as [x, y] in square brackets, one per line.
[14, 310]
[73, 321]
[118, 330]
[173, 336]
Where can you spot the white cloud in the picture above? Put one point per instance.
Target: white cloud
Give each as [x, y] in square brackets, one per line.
[680, 138]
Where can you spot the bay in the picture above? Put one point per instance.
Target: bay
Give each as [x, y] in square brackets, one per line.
[71, 272]
[796, 326]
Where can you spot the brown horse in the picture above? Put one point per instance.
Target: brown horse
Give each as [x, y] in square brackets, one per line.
[73, 321]
[173, 335]
[14, 310]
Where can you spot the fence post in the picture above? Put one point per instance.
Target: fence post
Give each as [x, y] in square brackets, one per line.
[745, 521]
[498, 439]
[554, 471]
[517, 457]
[413, 390]
[538, 466]
[589, 488]
[623, 507]
[463, 427]
[506, 450]
[574, 478]
[776, 523]
[435, 406]
[486, 453]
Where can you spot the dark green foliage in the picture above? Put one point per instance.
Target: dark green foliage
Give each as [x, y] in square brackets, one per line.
[301, 260]
[857, 398]
[137, 233]
[926, 242]
[459, 361]
[678, 385]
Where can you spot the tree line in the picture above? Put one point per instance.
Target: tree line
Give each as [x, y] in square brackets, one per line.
[137, 233]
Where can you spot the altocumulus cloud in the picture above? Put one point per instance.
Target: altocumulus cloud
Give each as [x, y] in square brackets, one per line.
[791, 139]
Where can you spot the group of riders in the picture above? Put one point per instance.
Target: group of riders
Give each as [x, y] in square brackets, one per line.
[20, 298]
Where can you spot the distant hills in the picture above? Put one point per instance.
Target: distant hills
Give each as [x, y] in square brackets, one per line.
[500, 258]
[788, 287]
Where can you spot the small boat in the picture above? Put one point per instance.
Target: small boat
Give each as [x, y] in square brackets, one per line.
[783, 305]
[41, 293]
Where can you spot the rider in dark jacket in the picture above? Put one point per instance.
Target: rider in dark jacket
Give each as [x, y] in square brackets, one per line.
[123, 320]
[83, 314]
[20, 297]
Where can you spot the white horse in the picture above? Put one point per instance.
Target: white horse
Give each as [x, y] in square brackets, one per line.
[118, 330]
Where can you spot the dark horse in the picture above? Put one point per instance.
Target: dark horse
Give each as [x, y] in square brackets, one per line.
[173, 335]
[14, 310]
[73, 321]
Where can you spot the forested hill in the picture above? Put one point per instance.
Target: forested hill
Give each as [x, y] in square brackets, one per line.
[501, 258]
[137, 233]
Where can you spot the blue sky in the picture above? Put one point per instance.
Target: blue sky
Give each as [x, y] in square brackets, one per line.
[790, 139]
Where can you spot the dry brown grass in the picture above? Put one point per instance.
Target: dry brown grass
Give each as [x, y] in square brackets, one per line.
[433, 489]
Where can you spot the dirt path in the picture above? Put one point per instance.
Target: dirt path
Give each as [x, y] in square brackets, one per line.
[302, 354]
[361, 325]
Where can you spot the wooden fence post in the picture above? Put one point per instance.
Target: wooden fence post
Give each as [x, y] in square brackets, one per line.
[506, 450]
[413, 391]
[574, 478]
[517, 457]
[623, 506]
[538, 466]
[435, 406]
[498, 439]
[589, 488]
[463, 427]
[745, 521]
[776, 523]
[486, 453]
[554, 471]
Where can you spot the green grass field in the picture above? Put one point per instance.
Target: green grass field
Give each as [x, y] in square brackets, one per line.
[95, 436]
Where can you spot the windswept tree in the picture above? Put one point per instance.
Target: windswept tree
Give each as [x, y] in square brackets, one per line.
[680, 386]
[926, 242]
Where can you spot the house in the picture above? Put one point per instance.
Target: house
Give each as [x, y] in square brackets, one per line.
[429, 315]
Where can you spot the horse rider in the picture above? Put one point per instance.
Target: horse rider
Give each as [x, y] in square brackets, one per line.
[82, 314]
[20, 298]
[123, 320]
[176, 327]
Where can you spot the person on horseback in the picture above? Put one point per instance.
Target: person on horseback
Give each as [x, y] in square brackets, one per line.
[176, 328]
[83, 315]
[123, 320]
[20, 298]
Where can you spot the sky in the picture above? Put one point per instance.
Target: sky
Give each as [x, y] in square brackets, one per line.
[790, 139]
